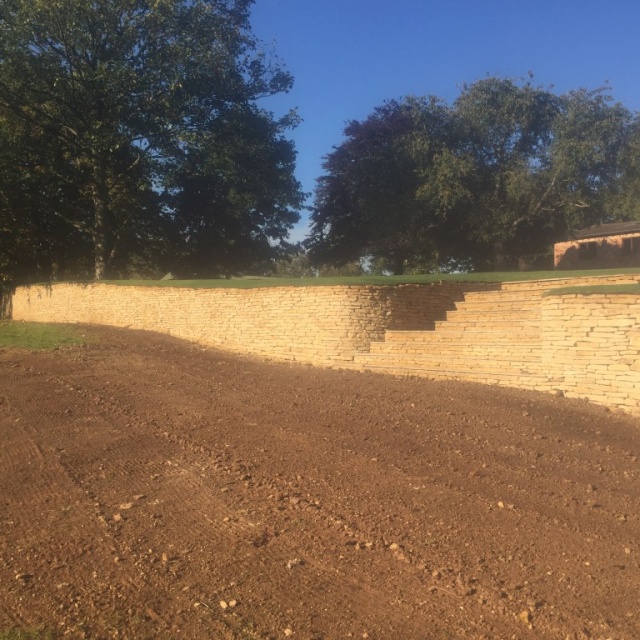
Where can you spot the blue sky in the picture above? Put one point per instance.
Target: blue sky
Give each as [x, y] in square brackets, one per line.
[349, 56]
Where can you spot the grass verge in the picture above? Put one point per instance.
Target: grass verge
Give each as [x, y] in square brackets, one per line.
[603, 289]
[429, 278]
[34, 335]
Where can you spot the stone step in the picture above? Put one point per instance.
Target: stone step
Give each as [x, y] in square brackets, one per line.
[483, 306]
[510, 353]
[496, 336]
[496, 308]
[499, 323]
[504, 303]
[506, 296]
[540, 382]
[500, 363]
[585, 280]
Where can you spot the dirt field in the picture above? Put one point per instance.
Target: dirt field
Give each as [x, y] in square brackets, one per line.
[153, 489]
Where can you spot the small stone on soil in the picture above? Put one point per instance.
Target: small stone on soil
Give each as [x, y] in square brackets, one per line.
[525, 616]
[24, 576]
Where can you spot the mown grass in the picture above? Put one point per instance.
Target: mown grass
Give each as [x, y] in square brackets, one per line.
[598, 289]
[34, 335]
[252, 283]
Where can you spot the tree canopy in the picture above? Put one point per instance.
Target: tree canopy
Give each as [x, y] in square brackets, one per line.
[132, 139]
[488, 182]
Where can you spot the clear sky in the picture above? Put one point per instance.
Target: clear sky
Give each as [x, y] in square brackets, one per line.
[349, 56]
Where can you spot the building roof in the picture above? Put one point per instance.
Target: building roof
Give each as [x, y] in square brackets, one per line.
[610, 229]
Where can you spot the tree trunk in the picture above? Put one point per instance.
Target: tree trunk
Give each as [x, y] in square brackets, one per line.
[101, 212]
[397, 265]
[499, 259]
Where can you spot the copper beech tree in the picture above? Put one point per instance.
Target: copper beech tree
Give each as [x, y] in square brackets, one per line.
[129, 129]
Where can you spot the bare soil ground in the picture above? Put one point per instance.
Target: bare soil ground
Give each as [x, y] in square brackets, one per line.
[153, 489]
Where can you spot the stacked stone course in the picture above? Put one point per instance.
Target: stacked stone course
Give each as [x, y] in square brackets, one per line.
[582, 346]
[316, 325]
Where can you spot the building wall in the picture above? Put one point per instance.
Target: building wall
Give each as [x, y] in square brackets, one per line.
[609, 253]
[319, 325]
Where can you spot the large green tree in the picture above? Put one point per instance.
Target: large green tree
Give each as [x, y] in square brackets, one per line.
[542, 164]
[232, 190]
[490, 182]
[504, 130]
[374, 198]
[623, 197]
[114, 95]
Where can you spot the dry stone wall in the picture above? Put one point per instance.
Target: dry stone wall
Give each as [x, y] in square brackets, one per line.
[591, 347]
[317, 325]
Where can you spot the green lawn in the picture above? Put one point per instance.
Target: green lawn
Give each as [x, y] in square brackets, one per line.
[618, 289]
[252, 283]
[34, 335]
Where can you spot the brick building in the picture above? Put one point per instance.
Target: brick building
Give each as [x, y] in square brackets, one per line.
[603, 246]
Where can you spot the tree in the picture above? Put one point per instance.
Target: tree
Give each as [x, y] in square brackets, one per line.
[232, 190]
[114, 93]
[504, 130]
[490, 182]
[367, 202]
[623, 198]
[541, 165]
[33, 245]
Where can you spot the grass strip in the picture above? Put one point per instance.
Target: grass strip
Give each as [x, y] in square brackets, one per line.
[35, 335]
[598, 289]
[429, 278]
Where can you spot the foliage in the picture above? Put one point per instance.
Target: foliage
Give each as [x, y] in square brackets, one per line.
[122, 118]
[366, 202]
[624, 195]
[490, 182]
[295, 265]
[232, 194]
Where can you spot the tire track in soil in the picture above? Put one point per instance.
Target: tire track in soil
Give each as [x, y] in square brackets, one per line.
[182, 483]
[384, 601]
[102, 541]
[350, 594]
[186, 481]
[316, 504]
